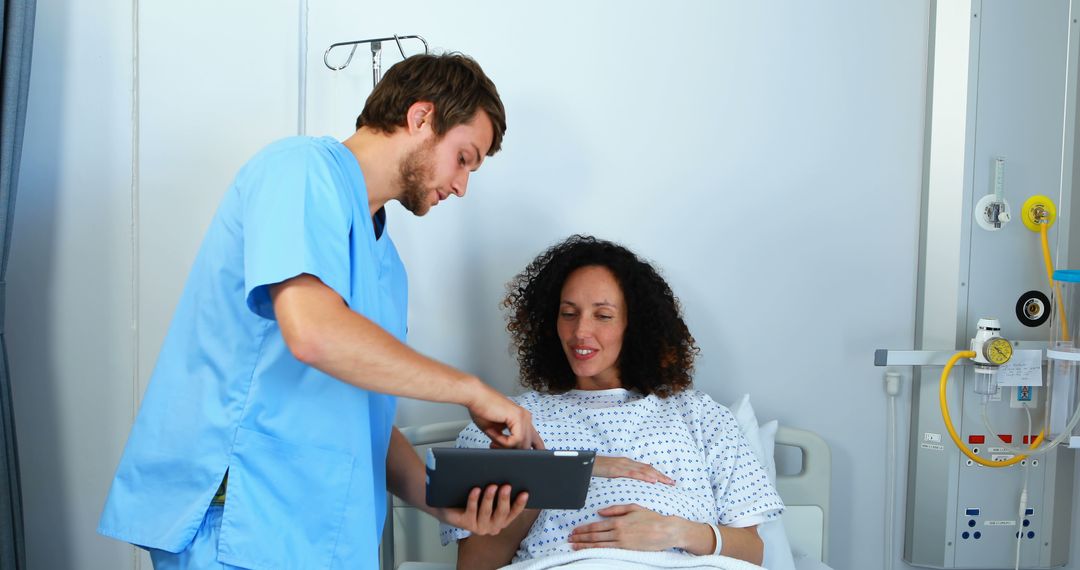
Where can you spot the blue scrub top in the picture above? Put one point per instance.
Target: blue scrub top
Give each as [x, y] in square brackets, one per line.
[306, 453]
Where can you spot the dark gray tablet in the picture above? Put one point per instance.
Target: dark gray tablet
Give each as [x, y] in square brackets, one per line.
[554, 479]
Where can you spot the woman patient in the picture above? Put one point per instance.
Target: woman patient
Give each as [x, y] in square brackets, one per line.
[601, 342]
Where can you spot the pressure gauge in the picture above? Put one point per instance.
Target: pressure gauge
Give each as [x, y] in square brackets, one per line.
[997, 350]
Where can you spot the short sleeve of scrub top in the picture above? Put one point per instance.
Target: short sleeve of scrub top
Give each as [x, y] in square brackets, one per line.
[278, 243]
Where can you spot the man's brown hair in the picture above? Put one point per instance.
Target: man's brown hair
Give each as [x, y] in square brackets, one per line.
[453, 82]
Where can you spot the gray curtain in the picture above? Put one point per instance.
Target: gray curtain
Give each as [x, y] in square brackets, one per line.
[17, 41]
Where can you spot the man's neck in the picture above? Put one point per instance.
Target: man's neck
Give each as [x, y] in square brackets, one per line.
[377, 153]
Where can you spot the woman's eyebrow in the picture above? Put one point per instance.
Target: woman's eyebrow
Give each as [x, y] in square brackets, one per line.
[596, 304]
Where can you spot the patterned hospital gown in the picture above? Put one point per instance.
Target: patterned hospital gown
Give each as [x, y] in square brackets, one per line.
[688, 437]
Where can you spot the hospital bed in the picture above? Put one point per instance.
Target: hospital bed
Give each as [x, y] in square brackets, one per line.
[411, 540]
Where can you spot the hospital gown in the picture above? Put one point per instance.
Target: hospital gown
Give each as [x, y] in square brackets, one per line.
[687, 436]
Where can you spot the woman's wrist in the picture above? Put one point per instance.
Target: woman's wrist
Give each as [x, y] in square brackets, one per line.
[718, 541]
[694, 537]
[599, 466]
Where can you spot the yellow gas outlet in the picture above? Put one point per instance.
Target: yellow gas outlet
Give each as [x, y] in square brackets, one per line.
[1038, 210]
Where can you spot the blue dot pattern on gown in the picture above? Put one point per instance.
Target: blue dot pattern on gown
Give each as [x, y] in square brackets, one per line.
[688, 437]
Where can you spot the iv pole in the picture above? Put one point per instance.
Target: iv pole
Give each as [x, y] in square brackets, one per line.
[376, 52]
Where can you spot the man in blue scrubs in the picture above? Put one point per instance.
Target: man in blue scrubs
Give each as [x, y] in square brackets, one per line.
[265, 438]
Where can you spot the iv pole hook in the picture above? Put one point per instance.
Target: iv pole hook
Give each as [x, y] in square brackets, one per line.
[376, 48]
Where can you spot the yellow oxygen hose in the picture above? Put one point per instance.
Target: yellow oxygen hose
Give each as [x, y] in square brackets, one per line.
[952, 431]
[1053, 284]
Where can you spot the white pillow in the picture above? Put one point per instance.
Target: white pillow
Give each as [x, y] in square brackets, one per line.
[762, 440]
[767, 432]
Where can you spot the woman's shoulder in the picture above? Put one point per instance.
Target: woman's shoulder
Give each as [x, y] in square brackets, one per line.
[701, 405]
[691, 396]
[530, 398]
[543, 405]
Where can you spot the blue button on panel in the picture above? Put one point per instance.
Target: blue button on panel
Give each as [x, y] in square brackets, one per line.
[965, 535]
[977, 535]
[971, 512]
[1031, 534]
[1027, 522]
[971, 522]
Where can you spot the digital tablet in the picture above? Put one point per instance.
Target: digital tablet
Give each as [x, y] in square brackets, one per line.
[554, 479]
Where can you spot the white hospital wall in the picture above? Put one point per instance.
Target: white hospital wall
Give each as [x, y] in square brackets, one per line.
[768, 156]
[68, 324]
[203, 111]
[109, 213]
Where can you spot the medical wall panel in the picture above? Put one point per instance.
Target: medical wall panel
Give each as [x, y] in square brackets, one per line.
[1020, 121]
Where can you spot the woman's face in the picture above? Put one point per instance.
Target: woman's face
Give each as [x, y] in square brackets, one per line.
[591, 323]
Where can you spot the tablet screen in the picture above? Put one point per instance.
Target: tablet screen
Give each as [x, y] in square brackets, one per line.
[554, 479]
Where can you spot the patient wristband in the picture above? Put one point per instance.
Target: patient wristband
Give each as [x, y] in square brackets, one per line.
[719, 541]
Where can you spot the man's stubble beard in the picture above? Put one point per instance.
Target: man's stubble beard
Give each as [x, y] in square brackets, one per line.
[416, 168]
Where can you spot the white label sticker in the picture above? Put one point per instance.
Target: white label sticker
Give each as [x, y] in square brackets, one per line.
[932, 446]
[1000, 523]
[934, 437]
[1023, 369]
[565, 454]
[997, 450]
[1000, 457]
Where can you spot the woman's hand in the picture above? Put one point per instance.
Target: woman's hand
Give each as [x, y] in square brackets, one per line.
[631, 527]
[613, 467]
[487, 513]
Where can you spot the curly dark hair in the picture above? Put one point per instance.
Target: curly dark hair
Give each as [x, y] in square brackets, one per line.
[658, 352]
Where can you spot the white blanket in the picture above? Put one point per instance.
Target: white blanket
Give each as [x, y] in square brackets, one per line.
[619, 559]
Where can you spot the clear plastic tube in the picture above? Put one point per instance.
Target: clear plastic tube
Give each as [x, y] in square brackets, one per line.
[890, 480]
[1073, 421]
[1023, 493]
[947, 418]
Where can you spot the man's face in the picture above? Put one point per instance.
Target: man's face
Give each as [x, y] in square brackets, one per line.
[439, 167]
